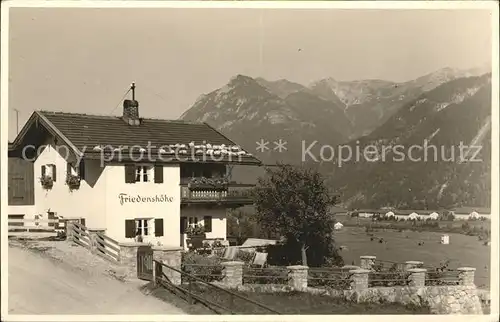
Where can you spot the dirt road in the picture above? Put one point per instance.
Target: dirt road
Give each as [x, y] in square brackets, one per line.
[40, 285]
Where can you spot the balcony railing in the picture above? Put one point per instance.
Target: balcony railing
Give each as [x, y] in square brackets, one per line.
[233, 194]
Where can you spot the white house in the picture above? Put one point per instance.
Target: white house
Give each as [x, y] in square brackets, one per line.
[434, 216]
[389, 214]
[338, 226]
[413, 216]
[465, 213]
[132, 176]
[474, 215]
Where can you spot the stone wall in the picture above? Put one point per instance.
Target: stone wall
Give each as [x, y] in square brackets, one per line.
[440, 299]
[451, 299]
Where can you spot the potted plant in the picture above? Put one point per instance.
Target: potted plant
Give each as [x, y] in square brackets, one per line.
[73, 182]
[47, 182]
[203, 183]
[195, 236]
[195, 231]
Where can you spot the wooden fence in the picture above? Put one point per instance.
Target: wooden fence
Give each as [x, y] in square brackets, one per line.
[32, 227]
[80, 235]
[107, 247]
[96, 242]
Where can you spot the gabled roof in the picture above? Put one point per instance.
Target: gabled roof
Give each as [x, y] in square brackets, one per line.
[83, 132]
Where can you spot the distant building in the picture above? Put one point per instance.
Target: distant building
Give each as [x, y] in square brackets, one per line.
[464, 213]
[390, 214]
[474, 215]
[338, 226]
[434, 216]
[413, 216]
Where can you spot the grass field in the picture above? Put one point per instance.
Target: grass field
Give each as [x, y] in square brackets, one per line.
[403, 246]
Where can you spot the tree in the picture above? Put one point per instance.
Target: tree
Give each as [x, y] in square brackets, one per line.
[293, 202]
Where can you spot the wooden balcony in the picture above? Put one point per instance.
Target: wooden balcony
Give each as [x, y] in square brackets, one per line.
[235, 194]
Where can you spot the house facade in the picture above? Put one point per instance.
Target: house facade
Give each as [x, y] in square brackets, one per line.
[133, 177]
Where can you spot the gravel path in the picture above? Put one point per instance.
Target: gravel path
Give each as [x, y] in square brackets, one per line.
[41, 284]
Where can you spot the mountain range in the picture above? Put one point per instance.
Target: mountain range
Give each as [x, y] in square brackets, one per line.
[363, 112]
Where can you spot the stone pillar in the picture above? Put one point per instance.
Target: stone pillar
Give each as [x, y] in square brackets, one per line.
[413, 264]
[359, 279]
[128, 258]
[367, 262]
[466, 275]
[417, 277]
[232, 274]
[297, 276]
[69, 231]
[171, 256]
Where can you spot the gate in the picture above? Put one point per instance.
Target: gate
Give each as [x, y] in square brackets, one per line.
[145, 263]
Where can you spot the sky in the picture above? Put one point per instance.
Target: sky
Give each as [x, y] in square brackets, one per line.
[83, 59]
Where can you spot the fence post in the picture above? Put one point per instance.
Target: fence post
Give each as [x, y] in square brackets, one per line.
[232, 274]
[154, 274]
[69, 231]
[359, 279]
[466, 275]
[297, 276]
[417, 277]
[413, 264]
[367, 262]
[170, 256]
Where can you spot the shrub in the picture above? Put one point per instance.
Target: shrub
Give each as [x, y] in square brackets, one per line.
[335, 279]
[244, 256]
[207, 268]
[394, 276]
[268, 275]
[436, 276]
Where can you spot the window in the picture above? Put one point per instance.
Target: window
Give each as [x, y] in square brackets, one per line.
[142, 227]
[49, 170]
[192, 221]
[142, 173]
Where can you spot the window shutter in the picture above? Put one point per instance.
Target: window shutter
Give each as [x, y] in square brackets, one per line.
[81, 170]
[158, 174]
[129, 173]
[183, 225]
[207, 222]
[44, 169]
[129, 228]
[54, 172]
[159, 227]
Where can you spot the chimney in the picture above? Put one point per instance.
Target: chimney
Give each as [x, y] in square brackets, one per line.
[131, 109]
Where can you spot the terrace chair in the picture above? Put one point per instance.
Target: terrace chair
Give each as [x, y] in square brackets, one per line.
[230, 253]
[259, 260]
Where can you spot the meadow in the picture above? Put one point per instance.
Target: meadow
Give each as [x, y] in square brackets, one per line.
[404, 246]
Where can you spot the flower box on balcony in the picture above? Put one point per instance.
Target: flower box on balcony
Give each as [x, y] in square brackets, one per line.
[47, 182]
[73, 182]
[217, 184]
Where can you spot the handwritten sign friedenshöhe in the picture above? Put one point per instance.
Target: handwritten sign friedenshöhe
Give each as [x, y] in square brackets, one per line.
[125, 198]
